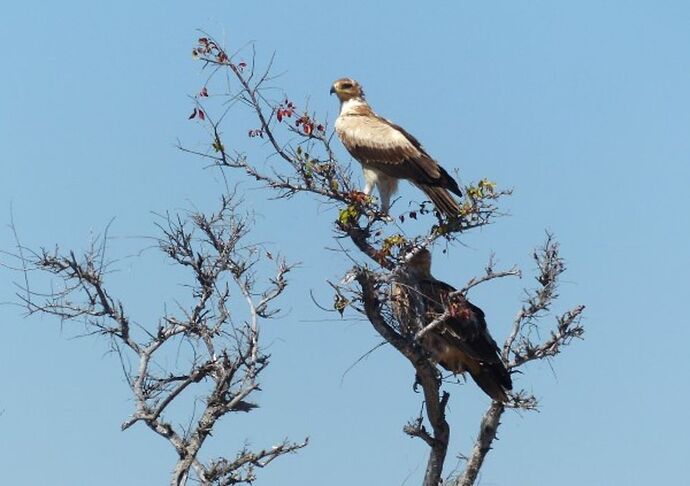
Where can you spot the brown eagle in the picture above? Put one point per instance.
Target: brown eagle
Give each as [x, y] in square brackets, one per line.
[388, 153]
[461, 343]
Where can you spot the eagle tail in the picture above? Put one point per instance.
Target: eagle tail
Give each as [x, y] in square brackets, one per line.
[494, 379]
[443, 201]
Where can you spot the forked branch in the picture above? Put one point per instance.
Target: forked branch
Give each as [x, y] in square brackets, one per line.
[225, 358]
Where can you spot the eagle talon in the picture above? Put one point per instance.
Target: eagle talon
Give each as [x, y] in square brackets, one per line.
[416, 384]
[385, 217]
[380, 216]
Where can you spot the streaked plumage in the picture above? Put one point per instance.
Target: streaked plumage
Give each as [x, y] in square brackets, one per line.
[462, 343]
[388, 153]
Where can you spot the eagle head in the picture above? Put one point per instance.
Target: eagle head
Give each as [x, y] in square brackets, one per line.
[420, 263]
[346, 89]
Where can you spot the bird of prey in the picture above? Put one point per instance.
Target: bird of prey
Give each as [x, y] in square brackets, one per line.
[460, 344]
[388, 153]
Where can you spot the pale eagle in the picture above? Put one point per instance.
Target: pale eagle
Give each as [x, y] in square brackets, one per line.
[460, 344]
[388, 153]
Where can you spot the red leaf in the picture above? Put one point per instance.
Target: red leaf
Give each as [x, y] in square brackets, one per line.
[279, 115]
[204, 92]
[192, 115]
[202, 115]
[308, 128]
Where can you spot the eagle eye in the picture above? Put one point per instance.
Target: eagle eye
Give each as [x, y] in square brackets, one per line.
[346, 86]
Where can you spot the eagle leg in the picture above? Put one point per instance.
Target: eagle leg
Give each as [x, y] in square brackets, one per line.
[370, 179]
[368, 189]
[385, 200]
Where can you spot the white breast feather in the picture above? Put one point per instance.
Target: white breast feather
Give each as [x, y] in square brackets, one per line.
[367, 130]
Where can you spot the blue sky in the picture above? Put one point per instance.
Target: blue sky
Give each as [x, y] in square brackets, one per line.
[582, 107]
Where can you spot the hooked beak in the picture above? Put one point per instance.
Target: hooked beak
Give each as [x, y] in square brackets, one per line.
[332, 90]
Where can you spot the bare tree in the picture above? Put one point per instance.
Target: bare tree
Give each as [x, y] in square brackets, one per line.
[306, 163]
[223, 353]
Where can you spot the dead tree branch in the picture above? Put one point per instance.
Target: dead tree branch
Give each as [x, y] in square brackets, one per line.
[482, 445]
[226, 359]
[306, 164]
[521, 345]
[427, 376]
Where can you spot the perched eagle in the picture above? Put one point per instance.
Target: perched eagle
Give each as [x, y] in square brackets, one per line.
[388, 153]
[462, 343]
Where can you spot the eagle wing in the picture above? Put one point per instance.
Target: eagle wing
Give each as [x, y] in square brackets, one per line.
[386, 147]
[463, 342]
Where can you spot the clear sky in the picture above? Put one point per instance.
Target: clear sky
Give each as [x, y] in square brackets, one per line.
[582, 107]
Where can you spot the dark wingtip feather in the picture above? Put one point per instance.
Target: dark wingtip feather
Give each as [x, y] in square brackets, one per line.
[450, 183]
[455, 189]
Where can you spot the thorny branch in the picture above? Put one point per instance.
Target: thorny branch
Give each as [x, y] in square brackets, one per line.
[225, 360]
[521, 345]
[307, 164]
[536, 304]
